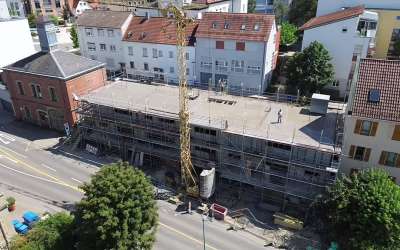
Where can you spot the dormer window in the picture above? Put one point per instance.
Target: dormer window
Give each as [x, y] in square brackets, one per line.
[243, 27]
[226, 25]
[257, 27]
[214, 25]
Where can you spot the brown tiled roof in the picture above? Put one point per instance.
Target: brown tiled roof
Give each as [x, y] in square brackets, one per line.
[235, 22]
[384, 76]
[333, 17]
[103, 18]
[159, 30]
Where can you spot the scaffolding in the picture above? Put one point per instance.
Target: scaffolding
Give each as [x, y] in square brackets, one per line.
[284, 173]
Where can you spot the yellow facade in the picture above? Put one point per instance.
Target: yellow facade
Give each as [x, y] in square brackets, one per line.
[388, 20]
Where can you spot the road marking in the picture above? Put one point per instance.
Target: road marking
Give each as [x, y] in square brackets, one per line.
[52, 169]
[7, 137]
[76, 180]
[30, 175]
[23, 156]
[42, 173]
[186, 236]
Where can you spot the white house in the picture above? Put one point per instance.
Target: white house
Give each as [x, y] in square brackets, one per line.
[80, 6]
[150, 50]
[329, 6]
[100, 34]
[15, 34]
[346, 34]
[372, 120]
[236, 52]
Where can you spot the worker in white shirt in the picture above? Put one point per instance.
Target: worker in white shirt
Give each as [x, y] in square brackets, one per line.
[280, 113]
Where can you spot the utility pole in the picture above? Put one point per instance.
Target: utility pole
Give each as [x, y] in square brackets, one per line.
[203, 218]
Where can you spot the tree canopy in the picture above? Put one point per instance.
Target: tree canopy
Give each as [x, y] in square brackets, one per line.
[54, 233]
[310, 70]
[301, 11]
[288, 33]
[118, 210]
[363, 211]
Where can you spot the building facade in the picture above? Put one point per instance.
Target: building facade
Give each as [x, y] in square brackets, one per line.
[16, 8]
[372, 121]
[100, 36]
[346, 34]
[47, 7]
[150, 50]
[236, 52]
[388, 29]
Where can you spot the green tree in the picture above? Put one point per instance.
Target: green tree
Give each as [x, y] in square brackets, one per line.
[32, 20]
[310, 70]
[288, 33]
[363, 211]
[280, 11]
[74, 37]
[251, 6]
[54, 19]
[118, 210]
[54, 233]
[301, 11]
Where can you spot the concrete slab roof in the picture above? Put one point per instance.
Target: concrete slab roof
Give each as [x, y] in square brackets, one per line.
[251, 116]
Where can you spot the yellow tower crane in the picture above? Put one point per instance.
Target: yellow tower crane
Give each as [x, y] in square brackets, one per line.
[188, 174]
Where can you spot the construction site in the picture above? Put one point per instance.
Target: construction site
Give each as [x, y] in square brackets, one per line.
[260, 163]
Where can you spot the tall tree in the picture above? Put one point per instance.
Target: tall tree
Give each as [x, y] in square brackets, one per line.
[32, 20]
[310, 70]
[251, 6]
[301, 11]
[74, 37]
[118, 210]
[363, 211]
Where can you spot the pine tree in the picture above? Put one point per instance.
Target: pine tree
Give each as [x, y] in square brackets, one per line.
[74, 37]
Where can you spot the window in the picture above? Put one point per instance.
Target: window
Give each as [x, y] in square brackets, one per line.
[58, 4]
[396, 133]
[132, 64]
[160, 53]
[253, 70]
[53, 95]
[206, 65]
[344, 29]
[205, 131]
[392, 52]
[91, 46]
[112, 48]
[170, 54]
[103, 47]
[367, 128]
[145, 52]
[146, 66]
[240, 46]
[237, 66]
[93, 57]
[20, 88]
[27, 111]
[257, 27]
[130, 51]
[187, 55]
[219, 44]
[100, 32]
[243, 27]
[36, 91]
[110, 33]
[221, 66]
[187, 71]
[214, 25]
[359, 153]
[171, 70]
[89, 31]
[374, 95]
[37, 5]
[155, 54]
[390, 159]
[226, 25]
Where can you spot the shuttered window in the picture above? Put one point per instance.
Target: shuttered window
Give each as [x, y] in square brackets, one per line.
[240, 46]
[359, 153]
[396, 133]
[389, 159]
[219, 44]
[367, 128]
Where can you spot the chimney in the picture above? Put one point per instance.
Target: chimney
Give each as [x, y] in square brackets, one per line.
[4, 13]
[47, 34]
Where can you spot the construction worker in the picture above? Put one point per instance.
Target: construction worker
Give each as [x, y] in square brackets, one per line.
[280, 113]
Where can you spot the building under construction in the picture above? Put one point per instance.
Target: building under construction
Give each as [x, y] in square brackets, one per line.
[283, 164]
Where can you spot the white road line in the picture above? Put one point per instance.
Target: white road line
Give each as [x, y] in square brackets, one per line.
[19, 154]
[52, 169]
[8, 158]
[4, 141]
[33, 176]
[7, 137]
[76, 180]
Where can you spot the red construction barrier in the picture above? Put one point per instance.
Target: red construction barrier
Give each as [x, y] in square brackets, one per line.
[219, 211]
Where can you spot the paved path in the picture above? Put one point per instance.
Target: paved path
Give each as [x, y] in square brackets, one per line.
[54, 179]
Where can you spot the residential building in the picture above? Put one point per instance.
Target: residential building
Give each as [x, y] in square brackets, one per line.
[150, 50]
[45, 86]
[278, 166]
[346, 34]
[12, 39]
[388, 29]
[267, 6]
[47, 7]
[79, 7]
[236, 52]
[372, 121]
[100, 34]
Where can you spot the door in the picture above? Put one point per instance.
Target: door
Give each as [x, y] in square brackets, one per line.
[43, 119]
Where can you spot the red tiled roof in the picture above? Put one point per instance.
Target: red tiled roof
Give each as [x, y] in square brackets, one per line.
[160, 30]
[236, 22]
[333, 17]
[382, 75]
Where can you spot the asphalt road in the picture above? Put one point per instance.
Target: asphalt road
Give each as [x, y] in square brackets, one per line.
[55, 179]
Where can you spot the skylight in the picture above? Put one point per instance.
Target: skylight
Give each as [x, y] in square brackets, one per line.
[257, 27]
[374, 95]
[243, 27]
